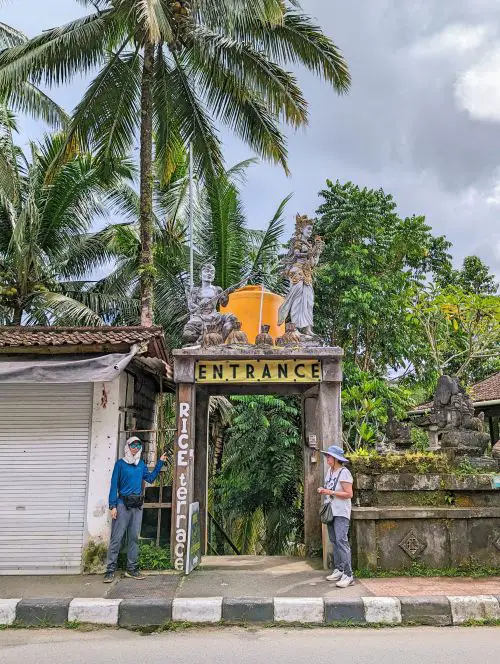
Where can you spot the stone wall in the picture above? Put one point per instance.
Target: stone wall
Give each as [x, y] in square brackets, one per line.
[435, 520]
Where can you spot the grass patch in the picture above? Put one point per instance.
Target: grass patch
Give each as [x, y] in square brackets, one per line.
[473, 570]
[483, 622]
[72, 624]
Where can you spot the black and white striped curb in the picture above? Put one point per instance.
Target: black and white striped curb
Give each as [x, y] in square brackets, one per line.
[437, 610]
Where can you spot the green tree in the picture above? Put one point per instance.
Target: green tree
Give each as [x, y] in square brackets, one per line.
[367, 401]
[460, 329]
[473, 277]
[46, 249]
[258, 491]
[373, 260]
[165, 66]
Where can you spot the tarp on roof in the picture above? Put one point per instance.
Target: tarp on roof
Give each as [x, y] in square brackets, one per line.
[96, 369]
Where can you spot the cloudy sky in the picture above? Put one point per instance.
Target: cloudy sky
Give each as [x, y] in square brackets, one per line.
[422, 120]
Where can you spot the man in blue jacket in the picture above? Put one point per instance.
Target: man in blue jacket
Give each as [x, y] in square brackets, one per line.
[125, 503]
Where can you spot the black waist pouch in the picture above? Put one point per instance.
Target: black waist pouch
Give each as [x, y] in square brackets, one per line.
[132, 500]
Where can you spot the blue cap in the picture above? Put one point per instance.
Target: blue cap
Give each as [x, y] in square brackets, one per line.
[336, 452]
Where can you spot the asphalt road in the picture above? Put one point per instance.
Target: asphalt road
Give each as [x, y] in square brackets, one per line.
[467, 645]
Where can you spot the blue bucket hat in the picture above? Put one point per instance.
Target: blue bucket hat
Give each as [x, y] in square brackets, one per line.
[336, 452]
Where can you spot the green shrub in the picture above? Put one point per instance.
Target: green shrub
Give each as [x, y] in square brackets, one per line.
[154, 557]
[419, 439]
[94, 557]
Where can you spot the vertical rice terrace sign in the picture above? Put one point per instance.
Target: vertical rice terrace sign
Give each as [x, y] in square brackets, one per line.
[258, 371]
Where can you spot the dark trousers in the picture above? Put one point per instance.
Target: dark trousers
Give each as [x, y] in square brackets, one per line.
[127, 521]
[338, 530]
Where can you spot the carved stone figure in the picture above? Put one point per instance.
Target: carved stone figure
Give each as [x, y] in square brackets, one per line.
[202, 304]
[212, 337]
[398, 434]
[291, 336]
[264, 338]
[459, 431]
[237, 336]
[299, 264]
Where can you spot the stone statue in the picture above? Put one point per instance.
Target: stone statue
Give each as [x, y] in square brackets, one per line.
[203, 315]
[398, 434]
[302, 258]
[453, 423]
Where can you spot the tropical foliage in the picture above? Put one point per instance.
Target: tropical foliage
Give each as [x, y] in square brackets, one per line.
[167, 70]
[22, 95]
[47, 251]
[258, 491]
[221, 236]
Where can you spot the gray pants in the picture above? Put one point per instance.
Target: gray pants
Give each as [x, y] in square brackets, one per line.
[338, 530]
[127, 521]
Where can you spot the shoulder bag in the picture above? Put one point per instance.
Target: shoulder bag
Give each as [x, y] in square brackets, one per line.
[325, 511]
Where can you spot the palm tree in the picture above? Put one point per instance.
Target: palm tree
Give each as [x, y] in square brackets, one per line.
[221, 235]
[46, 249]
[166, 68]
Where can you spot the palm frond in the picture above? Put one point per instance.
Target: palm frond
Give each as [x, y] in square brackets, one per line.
[108, 116]
[56, 55]
[61, 309]
[222, 13]
[9, 36]
[215, 55]
[268, 248]
[28, 98]
[151, 15]
[192, 119]
[297, 40]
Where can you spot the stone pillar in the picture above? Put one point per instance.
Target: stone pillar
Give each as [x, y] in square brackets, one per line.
[183, 484]
[201, 462]
[329, 420]
[313, 468]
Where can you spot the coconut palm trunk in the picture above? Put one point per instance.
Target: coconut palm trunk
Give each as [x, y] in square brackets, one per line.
[146, 187]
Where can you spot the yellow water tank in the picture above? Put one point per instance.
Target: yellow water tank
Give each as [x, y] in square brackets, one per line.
[246, 303]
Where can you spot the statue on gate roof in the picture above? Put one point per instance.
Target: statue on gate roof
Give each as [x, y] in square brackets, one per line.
[303, 256]
[203, 314]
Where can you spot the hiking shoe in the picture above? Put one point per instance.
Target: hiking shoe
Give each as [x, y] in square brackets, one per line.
[109, 577]
[336, 575]
[345, 581]
[135, 574]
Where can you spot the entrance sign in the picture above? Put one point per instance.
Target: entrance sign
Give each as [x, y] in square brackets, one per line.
[258, 371]
[193, 553]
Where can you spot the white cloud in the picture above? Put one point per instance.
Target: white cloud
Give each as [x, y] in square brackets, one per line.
[478, 88]
[494, 197]
[454, 39]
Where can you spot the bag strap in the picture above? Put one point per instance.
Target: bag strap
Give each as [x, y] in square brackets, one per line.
[337, 479]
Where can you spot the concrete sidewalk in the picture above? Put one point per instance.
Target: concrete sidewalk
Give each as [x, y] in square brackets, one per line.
[241, 576]
[246, 590]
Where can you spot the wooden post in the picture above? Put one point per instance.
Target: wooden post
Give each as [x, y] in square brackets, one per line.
[182, 493]
[201, 462]
[313, 467]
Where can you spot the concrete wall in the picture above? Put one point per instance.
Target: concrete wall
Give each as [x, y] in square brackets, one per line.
[103, 454]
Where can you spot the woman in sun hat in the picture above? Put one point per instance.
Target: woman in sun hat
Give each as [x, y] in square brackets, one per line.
[125, 504]
[338, 492]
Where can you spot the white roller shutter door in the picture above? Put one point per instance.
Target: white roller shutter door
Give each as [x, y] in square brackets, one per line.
[44, 455]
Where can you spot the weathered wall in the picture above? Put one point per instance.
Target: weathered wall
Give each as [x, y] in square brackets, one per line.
[103, 453]
[437, 521]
